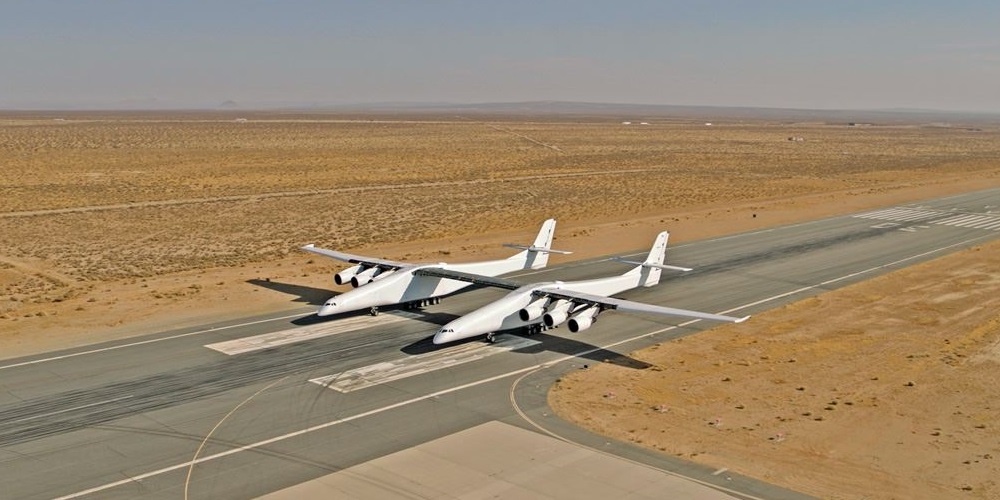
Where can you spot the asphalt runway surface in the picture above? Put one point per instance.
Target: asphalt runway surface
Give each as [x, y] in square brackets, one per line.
[249, 407]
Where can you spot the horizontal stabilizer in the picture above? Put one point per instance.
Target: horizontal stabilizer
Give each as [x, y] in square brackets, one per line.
[536, 249]
[651, 264]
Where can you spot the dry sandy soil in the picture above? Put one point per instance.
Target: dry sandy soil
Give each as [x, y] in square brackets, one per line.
[111, 225]
[884, 389]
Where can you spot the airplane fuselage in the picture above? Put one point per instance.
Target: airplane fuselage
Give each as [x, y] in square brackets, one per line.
[504, 314]
[402, 286]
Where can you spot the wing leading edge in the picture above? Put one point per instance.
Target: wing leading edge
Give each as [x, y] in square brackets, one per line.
[632, 306]
[477, 279]
[385, 265]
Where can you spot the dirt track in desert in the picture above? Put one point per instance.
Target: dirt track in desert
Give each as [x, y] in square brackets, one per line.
[111, 224]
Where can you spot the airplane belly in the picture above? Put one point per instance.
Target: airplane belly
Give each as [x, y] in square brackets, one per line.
[423, 287]
[490, 318]
[419, 287]
[514, 321]
[604, 286]
[388, 291]
[449, 286]
[503, 314]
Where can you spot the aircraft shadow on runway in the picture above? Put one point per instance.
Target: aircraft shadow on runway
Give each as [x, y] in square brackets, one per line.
[435, 318]
[305, 294]
[546, 342]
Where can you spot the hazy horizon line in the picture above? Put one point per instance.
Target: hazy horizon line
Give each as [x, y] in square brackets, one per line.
[153, 104]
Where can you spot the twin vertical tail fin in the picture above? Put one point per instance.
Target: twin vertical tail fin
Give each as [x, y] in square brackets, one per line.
[536, 256]
[650, 269]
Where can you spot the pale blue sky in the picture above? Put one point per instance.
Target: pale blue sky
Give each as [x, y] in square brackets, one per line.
[791, 54]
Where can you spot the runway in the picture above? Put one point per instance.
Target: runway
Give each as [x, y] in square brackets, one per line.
[250, 407]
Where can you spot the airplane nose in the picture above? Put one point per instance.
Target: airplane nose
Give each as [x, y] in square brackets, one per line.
[327, 309]
[445, 335]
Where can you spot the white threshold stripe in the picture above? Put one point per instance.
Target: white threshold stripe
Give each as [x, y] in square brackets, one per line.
[487, 380]
[960, 220]
[976, 221]
[949, 220]
[303, 333]
[382, 373]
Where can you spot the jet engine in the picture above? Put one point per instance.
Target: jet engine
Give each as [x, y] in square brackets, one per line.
[557, 313]
[583, 319]
[383, 274]
[346, 275]
[364, 277]
[533, 310]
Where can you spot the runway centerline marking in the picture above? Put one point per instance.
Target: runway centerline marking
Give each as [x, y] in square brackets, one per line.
[407, 402]
[303, 333]
[388, 371]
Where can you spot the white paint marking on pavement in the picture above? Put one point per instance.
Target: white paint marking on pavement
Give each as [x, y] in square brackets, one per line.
[720, 471]
[475, 383]
[958, 221]
[898, 214]
[381, 373]
[293, 335]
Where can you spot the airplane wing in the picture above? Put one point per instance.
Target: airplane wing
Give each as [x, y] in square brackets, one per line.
[467, 277]
[356, 259]
[631, 306]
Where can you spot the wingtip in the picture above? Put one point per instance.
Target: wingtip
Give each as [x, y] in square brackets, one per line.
[740, 320]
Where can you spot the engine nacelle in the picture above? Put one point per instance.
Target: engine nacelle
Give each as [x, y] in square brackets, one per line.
[364, 277]
[583, 319]
[533, 310]
[557, 313]
[346, 275]
[382, 274]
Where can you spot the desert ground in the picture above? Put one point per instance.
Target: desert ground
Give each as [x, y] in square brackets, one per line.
[116, 223]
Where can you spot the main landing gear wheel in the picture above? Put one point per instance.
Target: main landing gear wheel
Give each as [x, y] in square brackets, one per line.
[374, 311]
[491, 338]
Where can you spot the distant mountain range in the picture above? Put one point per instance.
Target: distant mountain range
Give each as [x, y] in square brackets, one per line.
[638, 111]
[625, 112]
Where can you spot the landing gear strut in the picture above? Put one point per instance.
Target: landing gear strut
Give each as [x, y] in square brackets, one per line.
[374, 311]
[491, 338]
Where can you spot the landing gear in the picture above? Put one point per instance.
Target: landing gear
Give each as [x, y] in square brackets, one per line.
[533, 329]
[373, 311]
[491, 338]
[417, 304]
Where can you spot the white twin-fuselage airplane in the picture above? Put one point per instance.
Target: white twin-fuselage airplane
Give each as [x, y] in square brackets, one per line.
[551, 304]
[381, 282]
